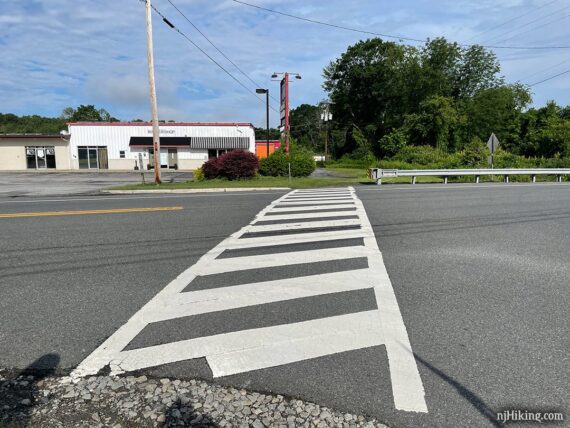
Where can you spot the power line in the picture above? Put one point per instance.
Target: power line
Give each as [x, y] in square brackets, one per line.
[410, 39]
[511, 20]
[171, 25]
[546, 69]
[536, 28]
[497, 39]
[219, 50]
[549, 78]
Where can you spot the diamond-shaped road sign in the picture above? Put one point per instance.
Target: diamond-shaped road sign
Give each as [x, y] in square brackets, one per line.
[492, 144]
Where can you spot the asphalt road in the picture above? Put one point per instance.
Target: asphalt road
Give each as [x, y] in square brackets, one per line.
[43, 183]
[480, 274]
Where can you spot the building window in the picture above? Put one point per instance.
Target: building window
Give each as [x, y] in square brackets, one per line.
[168, 158]
[40, 157]
[214, 153]
[122, 154]
[93, 157]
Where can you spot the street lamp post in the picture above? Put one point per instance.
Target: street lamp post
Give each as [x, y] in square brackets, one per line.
[266, 92]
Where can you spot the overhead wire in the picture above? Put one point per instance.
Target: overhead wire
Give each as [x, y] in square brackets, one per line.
[171, 25]
[218, 49]
[545, 69]
[549, 78]
[391, 36]
[497, 38]
[536, 28]
[511, 20]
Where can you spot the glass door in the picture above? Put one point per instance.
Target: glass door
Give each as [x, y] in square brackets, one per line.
[164, 158]
[93, 158]
[83, 158]
[41, 157]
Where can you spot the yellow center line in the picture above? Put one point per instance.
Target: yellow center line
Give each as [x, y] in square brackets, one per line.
[85, 212]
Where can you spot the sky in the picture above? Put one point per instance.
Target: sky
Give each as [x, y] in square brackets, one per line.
[60, 53]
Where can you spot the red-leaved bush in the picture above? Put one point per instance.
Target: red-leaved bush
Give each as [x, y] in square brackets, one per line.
[233, 165]
[212, 168]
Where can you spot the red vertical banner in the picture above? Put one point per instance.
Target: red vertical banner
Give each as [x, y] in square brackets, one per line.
[285, 110]
[287, 126]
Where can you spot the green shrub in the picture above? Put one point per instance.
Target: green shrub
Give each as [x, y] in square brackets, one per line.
[348, 162]
[302, 164]
[421, 155]
[503, 159]
[199, 174]
[474, 155]
[277, 164]
[392, 143]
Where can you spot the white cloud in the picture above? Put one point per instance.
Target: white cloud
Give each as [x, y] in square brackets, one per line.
[65, 52]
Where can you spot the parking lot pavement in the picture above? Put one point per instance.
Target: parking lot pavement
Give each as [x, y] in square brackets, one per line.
[43, 183]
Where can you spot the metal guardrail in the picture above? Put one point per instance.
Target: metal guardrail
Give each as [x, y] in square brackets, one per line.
[378, 174]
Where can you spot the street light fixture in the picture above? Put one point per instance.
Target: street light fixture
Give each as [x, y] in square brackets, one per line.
[285, 102]
[266, 92]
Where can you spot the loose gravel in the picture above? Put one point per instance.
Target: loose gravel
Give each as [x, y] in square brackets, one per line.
[138, 401]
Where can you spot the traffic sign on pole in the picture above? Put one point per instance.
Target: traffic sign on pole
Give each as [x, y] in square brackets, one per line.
[493, 145]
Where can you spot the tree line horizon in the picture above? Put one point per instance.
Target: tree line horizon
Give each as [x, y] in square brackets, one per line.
[390, 99]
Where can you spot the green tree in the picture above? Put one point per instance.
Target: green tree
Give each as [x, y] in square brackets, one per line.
[380, 87]
[391, 143]
[87, 113]
[261, 134]
[436, 124]
[497, 110]
[13, 124]
[306, 127]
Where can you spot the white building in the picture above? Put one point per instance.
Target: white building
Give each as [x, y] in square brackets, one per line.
[117, 145]
[121, 145]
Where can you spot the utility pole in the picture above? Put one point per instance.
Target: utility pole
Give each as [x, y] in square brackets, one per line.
[152, 89]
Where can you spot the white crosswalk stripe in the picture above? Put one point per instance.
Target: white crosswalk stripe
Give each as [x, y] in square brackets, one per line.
[280, 275]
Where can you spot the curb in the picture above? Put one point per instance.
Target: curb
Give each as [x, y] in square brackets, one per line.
[214, 190]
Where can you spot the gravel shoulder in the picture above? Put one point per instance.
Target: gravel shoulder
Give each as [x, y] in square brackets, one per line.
[101, 401]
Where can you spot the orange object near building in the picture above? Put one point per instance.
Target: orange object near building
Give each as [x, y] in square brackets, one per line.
[261, 147]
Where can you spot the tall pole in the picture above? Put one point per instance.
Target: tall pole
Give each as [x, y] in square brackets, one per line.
[326, 141]
[152, 89]
[267, 119]
[286, 77]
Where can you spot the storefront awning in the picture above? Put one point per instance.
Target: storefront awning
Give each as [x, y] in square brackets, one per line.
[219, 143]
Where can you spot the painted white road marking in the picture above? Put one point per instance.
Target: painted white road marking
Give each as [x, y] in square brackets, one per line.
[240, 296]
[259, 348]
[311, 208]
[300, 226]
[293, 217]
[235, 264]
[253, 339]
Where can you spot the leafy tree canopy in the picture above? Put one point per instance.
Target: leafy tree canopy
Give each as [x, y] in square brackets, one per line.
[441, 95]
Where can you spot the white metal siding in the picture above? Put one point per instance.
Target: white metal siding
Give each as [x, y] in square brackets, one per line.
[116, 138]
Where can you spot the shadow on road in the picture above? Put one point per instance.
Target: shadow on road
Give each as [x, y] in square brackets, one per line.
[18, 393]
[469, 395]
